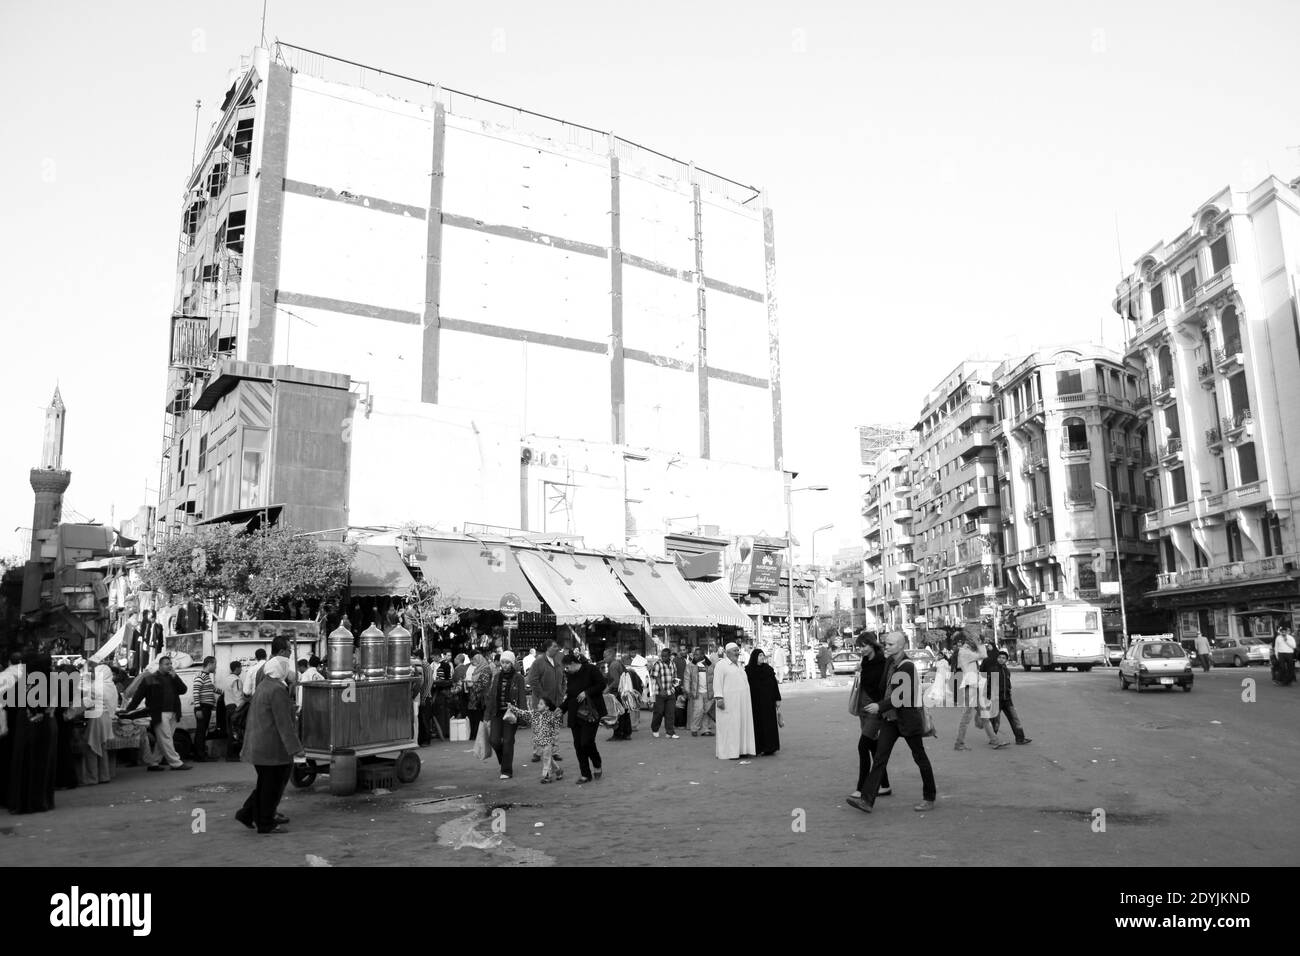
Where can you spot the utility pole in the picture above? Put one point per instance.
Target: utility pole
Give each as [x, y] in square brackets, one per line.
[194, 147]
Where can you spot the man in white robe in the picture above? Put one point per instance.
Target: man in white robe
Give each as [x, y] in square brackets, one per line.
[735, 713]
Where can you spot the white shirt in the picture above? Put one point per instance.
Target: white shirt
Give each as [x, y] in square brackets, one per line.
[1284, 644]
[250, 678]
[235, 689]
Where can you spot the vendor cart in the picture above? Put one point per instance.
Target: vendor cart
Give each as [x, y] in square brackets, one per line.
[366, 721]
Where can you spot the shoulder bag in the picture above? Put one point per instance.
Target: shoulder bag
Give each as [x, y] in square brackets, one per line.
[855, 701]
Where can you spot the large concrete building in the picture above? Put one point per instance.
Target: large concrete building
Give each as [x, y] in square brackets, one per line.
[1214, 327]
[397, 302]
[890, 569]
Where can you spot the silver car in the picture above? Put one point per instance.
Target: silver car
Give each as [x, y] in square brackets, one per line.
[1238, 651]
[845, 662]
[1156, 664]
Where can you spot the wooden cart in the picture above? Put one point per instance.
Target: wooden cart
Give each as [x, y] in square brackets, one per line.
[369, 721]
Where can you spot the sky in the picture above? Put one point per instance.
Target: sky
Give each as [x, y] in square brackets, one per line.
[948, 179]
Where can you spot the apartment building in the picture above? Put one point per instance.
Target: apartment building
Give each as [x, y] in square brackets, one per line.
[1067, 422]
[953, 497]
[889, 565]
[1214, 328]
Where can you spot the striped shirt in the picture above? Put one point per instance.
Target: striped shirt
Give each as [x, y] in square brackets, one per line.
[205, 690]
[664, 676]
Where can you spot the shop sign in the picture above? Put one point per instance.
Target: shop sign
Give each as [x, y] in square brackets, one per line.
[765, 572]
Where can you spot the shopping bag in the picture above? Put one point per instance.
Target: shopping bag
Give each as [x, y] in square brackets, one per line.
[482, 749]
[612, 707]
[855, 704]
[460, 728]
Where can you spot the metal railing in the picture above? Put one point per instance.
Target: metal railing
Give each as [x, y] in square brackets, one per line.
[1172, 447]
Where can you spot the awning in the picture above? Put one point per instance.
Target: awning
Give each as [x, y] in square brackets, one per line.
[715, 597]
[577, 588]
[250, 518]
[113, 643]
[667, 598]
[378, 571]
[473, 575]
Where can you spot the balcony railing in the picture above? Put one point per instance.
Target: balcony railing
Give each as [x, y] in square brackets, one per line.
[1073, 447]
[1239, 420]
[1165, 390]
[1171, 448]
[1142, 402]
[1231, 352]
[1080, 496]
[1231, 573]
[1213, 437]
[190, 343]
[1205, 372]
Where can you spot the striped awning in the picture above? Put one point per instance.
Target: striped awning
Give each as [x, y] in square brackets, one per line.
[577, 587]
[716, 598]
[666, 596]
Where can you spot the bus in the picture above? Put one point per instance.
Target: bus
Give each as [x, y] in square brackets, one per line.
[1053, 636]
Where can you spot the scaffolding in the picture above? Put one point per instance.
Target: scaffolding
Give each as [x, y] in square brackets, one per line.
[874, 439]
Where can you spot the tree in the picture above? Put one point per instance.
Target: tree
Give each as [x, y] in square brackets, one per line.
[224, 566]
[423, 607]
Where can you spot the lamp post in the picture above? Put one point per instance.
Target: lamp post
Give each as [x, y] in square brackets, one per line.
[1119, 574]
[789, 554]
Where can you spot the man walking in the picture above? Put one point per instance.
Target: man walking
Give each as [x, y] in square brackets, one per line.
[161, 692]
[1203, 651]
[271, 746]
[545, 681]
[1004, 703]
[1284, 648]
[205, 702]
[699, 693]
[236, 709]
[824, 660]
[902, 716]
[664, 678]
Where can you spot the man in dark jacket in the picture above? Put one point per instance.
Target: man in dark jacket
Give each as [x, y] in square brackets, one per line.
[613, 673]
[161, 691]
[1002, 673]
[270, 745]
[900, 706]
[545, 681]
[584, 702]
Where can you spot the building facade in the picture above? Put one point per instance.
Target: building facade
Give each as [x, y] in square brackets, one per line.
[399, 302]
[1214, 328]
[889, 563]
[1067, 421]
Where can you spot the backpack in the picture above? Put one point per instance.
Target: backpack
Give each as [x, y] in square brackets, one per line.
[636, 680]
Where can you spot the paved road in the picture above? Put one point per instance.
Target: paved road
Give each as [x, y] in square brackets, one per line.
[1184, 779]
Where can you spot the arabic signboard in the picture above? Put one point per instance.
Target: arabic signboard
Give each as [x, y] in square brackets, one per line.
[765, 572]
[510, 607]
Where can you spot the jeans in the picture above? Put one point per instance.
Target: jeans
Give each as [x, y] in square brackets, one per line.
[501, 736]
[1017, 727]
[699, 718]
[263, 802]
[584, 745]
[663, 712]
[166, 750]
[884, 746]
[202, 717]
[965, 720]
[867, 756]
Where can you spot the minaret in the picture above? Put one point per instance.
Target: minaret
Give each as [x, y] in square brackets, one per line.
[50, 480]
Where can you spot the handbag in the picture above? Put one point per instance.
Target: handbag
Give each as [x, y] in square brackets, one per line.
[855, 697]
[870, 724]
[586, 713]
[482, 745]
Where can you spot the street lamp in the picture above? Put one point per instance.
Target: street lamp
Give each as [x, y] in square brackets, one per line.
[1119, 575]
[789, 554]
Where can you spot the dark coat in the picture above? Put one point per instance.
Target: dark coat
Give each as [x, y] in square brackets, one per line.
[270, 738]
[589, 680]
[546, 679]
[161, 695]
[902, 698]
[490, 708]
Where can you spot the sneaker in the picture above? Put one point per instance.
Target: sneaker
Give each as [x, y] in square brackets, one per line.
[923, 806]
[695, 733]
[556, 757]
[859, 803]
[654, 734]
[855, 795]
[546, 780]
[885, 792]
[1001, 743]
[504, 776]
[581, 780]
[280, 818]
[1025, 740]
[672, 737]
[596, 772]
[274, 829]
[960, 747]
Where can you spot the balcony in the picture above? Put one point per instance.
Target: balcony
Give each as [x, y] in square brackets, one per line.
[1212, 287]
[902, 513]
[1143, 405]
[1205, 375]
[1039, 552]
[1229, 357]
[976, 500]
[1166, 392]
[871, 528]
[1233, 573]
[1080, 498]
[903, 489]
[1171, 452]
[1071, 449]
[1214, 440]
[1239, 426]
[909, 595]
[1250, 495]
[903, 540]
[191, 346]
[906, 567]
[1030, 412]
[872, 505]
[1153, 521]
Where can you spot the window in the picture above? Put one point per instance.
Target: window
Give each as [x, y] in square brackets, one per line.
[1272, 534]
[1187, 281]
[1076, 434]
[1178, 486]
[253, 473]
[1157, 299]
[1219, 254]
[1202, 559]
[1078, 483]
[203, 452]
[1069, 383]
[1234, 541]
[1240, 397]
[1167, 550]
[234, 231]
[1247, 467]
[1230, 330]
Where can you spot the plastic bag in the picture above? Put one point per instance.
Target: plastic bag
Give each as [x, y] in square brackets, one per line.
[482, 748]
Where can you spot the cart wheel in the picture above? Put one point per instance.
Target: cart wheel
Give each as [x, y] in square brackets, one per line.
[304, 775]
[408, 766]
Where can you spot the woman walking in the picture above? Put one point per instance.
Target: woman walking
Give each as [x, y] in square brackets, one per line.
[968, 655]
[584, 702]
[765, 698]
[870, 689]
[503, 703]
[478, 678]
[98, 763]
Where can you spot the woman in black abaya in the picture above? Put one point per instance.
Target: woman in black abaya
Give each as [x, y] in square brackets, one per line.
[765, 696]
[31, 770]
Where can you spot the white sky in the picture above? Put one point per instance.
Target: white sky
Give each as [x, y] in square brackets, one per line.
[945, 177]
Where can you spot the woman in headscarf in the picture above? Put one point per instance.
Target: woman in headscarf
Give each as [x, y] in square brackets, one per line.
[460, 685]
[478, 676]
[98, 762]
[65, 763]
[31, 774]
[871, 678]
[765, 697]
[270, 744]
[502, 702]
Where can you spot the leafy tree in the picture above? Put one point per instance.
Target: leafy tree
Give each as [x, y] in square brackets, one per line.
[224, 567]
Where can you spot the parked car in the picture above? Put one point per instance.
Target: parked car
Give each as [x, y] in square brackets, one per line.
[1238, 651]
[1156, 664]
[925, 660]
[845, 662]
[1114, 654]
